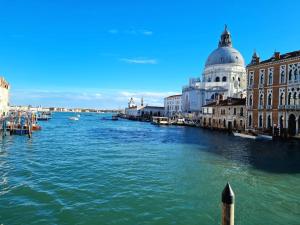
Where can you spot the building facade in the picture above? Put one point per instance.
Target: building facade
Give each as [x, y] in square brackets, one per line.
[224, 75]
[4, 97]
[273, 93]
[228, 114]
[173, 105]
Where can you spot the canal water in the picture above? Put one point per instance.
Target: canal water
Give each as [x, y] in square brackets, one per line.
[95, 171]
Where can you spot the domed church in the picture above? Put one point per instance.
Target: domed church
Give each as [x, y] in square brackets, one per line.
[224, 76]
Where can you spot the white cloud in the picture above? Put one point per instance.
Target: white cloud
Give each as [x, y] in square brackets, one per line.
[113, 31]
[86, 98]
[139, 61]
[131, 32]
[147, 32]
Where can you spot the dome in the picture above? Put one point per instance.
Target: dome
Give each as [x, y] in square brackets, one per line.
[225, 55]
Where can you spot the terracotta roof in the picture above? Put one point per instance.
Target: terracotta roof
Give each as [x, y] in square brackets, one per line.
[228, 102]
[283, 56]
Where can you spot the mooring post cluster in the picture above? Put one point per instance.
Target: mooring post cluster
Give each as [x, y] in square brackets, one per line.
[228, 205]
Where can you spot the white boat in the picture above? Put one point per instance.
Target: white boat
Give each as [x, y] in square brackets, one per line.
[242, 135]
[160, 120]
[265, 137]
[78, 115]
[73, 118]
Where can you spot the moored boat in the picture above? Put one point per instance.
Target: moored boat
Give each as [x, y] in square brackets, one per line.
[157, 120]
[243, 135]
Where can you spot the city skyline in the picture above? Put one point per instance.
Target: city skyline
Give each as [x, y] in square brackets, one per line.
[98, 55]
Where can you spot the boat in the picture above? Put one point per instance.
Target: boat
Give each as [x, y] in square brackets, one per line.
[114, 117]
[157, 120]
[43, 116]
[264, 137]
[243, 135]
[75, 118]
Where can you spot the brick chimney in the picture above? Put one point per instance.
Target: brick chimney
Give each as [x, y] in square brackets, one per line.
[277, 55]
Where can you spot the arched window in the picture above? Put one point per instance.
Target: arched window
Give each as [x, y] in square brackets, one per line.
[269, 125]
[281, 99]
[261, 98]
[250, 100]
[296, 74]
[224, 79]
[270, 78]
[290, 75]
[241, 111]
[295, 98]
[224, 123]
[261, 79]
[209, 79]
[250, 121]
[251, 80]
[282, 77]
[217, 79]
[289, 98]
[260, 121]
[270, 99]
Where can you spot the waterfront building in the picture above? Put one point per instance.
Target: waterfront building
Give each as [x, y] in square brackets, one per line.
[228, 114]
[224, 75]
[273, 93]
[134, 111]
[173, 105]
[4, 97]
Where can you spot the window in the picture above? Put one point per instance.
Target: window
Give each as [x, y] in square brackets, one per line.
[281, 99]
[250, 121]
[224, 79]
[234, 111]
[295, 98]
[260, 122]
[250, 100]
[261, 77]
[282, 74]
[261, 100]
[241, 111]
[270, 99]
[217, 79]
[289, 98]
[269, 123]
[270, 76]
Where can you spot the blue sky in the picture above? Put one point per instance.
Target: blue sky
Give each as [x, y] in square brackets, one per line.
[99, 53]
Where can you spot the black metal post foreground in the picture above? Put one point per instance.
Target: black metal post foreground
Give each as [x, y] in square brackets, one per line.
[227, 206]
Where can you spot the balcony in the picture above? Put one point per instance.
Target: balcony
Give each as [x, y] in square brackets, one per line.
[261, 86]
[260, 107]
[291, 107]
[268, 107]
[281, 107]
[250, 86]
[250, 107]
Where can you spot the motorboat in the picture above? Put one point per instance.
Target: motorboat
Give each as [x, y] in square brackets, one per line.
[160, 120]
[243, 135]
[75, 118]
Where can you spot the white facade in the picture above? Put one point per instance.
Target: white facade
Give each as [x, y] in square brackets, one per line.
[173, 105]
[224, 75]
[4, 97]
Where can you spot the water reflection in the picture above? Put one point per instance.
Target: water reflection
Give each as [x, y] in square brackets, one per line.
[270, 156]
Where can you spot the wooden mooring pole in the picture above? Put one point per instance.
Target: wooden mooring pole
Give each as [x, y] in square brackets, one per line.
[227, 205]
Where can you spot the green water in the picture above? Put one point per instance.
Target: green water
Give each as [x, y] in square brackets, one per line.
[95, 171]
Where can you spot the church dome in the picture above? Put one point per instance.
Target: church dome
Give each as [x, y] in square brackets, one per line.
[225, 53]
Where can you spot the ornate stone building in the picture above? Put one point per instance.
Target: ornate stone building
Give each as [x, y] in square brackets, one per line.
[273, 93]
[224, 75]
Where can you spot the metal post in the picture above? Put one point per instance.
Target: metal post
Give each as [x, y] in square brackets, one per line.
[227, 206]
